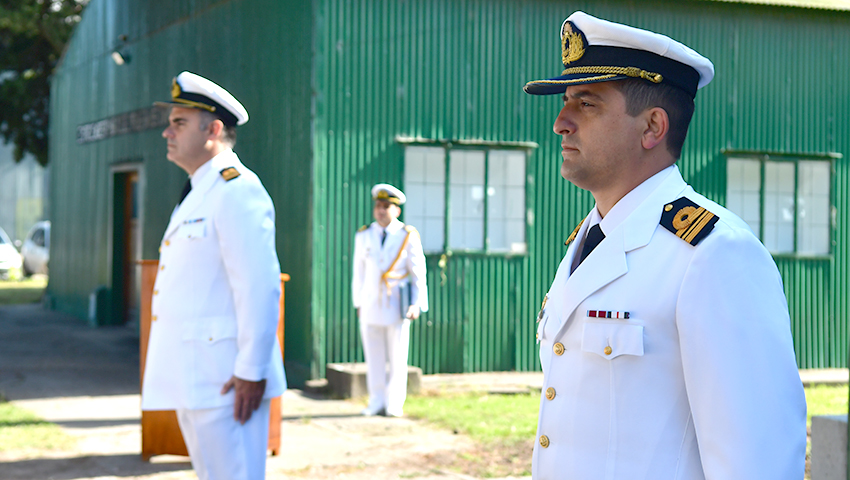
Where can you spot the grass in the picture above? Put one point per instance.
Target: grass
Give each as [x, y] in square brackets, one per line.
[22, 430]
[504, 426]
[29, 290]
[826, 400]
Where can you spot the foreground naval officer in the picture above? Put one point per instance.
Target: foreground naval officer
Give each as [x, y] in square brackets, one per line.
[213, 354]
[388, 290]
[667, 351]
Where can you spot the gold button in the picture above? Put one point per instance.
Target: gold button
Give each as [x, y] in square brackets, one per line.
[544, 441]
[160, 249]
[558, 349]
[550, 393]
[156, 292]
[608, 350]
[153, 318]
[668, 207]
[167, 243]
[537, 335]
[162, 267]
[211, 339]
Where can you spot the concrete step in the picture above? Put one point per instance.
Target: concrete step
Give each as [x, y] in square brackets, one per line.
[348, 380]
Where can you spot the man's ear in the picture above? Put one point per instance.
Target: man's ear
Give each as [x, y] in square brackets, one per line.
[657, 126]
[215, 129]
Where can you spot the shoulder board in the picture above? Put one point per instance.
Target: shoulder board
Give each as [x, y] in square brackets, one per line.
[362, 229]
[573, 235]
[229, 173]
[410, 229]
[687, 220]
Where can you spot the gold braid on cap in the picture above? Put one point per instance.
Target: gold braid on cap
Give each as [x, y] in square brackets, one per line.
[627, 71]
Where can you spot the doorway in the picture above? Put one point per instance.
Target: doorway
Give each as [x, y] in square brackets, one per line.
[126, 245]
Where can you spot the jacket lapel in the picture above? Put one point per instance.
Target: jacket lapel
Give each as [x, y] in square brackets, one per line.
[191, 202]
[608, 261]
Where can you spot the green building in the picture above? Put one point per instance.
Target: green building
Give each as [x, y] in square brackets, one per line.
[427, 95]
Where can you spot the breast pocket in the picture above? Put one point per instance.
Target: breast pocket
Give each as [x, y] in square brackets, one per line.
[192, 230]
[610, 340]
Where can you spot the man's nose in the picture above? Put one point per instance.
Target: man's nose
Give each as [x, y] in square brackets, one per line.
[166, 133]
[563, 124]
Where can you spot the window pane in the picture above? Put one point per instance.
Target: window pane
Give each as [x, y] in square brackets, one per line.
[506, 201]
[466, 170]
[425, 188]
[779, 207]
[813, 228]
[743, 190]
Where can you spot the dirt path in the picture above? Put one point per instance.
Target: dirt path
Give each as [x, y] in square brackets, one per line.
[86, 380]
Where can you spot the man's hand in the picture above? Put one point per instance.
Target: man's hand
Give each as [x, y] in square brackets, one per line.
[412, 312]
[249, 395]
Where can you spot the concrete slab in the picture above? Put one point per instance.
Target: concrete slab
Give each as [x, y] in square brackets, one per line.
[829, 447]
[348, 380]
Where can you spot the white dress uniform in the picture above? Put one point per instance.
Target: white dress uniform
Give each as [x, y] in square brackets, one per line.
[665, 360]
[215, 306]
[384, 330]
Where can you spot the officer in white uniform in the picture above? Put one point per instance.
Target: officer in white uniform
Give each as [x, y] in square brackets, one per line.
[388, 290]
[213, 354]
[666, 349]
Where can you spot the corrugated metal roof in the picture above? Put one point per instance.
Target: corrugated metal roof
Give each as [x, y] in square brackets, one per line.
[820, 4]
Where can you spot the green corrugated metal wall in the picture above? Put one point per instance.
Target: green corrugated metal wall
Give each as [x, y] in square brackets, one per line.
[330, 84]
[266, 64]
[443, 69]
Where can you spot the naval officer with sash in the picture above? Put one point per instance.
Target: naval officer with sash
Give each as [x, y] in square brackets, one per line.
[213, 354]
[388, 290]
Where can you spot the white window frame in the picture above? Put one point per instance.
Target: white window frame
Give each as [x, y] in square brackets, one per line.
[795, 209]
[446, 148]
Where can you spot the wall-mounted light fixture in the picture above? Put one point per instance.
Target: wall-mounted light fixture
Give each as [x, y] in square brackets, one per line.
[118, 58]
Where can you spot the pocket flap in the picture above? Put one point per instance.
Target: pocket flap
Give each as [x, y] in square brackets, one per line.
[189, 229]
[610, 340]
[210, 329]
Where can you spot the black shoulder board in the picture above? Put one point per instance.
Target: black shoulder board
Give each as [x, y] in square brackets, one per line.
[363, 228]
[230, 173]
[687, 220]
[573, 235]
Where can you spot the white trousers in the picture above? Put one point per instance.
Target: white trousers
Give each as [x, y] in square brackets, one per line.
[222, 449]
[383, 346]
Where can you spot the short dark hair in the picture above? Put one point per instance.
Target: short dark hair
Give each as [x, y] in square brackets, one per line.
[228, 133]
[642, 95]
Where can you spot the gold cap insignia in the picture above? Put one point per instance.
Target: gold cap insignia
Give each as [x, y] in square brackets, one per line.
[175, 89]
[572, 43]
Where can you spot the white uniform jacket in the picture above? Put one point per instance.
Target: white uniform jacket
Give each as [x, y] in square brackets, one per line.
[380, 302]
[699, 382]
[216, 297]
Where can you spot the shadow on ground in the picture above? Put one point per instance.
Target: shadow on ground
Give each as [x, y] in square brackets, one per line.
[47, 354]
[87, 467]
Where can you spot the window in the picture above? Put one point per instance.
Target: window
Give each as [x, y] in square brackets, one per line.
[786, 202]
[469, 199]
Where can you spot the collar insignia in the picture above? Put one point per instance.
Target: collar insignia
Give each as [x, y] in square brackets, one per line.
[572, 43]
[573, 235]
